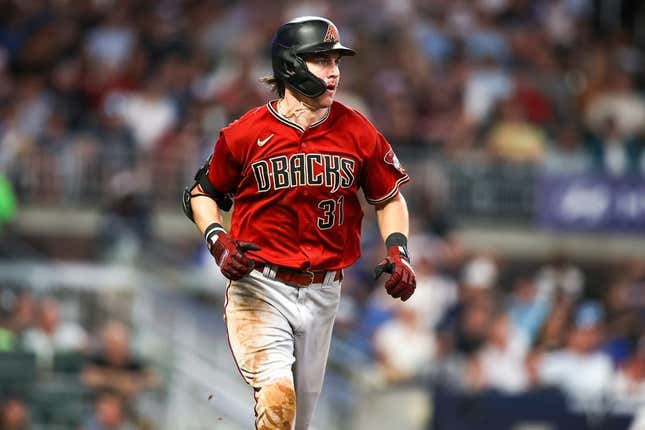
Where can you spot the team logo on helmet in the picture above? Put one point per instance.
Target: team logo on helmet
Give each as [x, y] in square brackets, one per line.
[390, 158]
[332, 34]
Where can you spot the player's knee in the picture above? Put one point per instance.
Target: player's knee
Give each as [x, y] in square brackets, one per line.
[276, 405]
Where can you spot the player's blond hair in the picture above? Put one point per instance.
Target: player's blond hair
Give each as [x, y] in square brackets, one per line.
[277, 86]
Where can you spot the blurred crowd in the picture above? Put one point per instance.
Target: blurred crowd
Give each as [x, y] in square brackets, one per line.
[57, 370]
[479, 323]
[101, 87]
[114, 101]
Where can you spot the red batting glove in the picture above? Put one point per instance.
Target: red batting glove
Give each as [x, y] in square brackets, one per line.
[403, 282]
[229, 253]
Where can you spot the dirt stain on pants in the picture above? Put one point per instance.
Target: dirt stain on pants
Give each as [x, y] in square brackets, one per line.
[275, 407]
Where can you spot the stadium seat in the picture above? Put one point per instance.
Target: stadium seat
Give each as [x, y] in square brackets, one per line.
[17, 372]
[68, 362]
[63, 403]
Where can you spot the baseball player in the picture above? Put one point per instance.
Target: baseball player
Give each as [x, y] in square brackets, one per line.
[293, 168]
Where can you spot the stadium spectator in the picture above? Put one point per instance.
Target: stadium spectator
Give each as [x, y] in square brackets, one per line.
[503, 357]
[628, 386]
[117, 145]
[33, 106]
[24, 312]
[149, 113]
[617, 106]
[50, 335]
[112, 41]
[533, 100]
[410, 359]
[14, 414]
[461, 337]
[513, 138]
[559, 275]
[126, 223]
[480, 274]
[553, 334]
[528, 305]
[614, 154]
[437, 292]
[624, 323]
[567, 155]
[581, 369]
[484, 39]
[114, 366]
[109, 414]
[639, 420]
[486, 85]
[445, 122]
[8, 338]
[242, 89]
[464, 326]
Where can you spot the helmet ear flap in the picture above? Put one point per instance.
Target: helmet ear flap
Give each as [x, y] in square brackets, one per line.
[293, 70]
[291, 62]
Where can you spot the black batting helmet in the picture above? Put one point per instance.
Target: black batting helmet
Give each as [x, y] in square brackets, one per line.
[304, 35]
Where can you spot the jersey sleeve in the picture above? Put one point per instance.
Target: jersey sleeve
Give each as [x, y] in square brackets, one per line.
[224, 170]
[383, 173]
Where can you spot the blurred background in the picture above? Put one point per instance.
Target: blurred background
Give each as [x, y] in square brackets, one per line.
[522, 125]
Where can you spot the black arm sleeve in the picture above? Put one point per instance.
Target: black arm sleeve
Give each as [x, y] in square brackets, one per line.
[224, 200]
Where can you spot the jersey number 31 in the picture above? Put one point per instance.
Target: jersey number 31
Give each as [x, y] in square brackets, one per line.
[332, 213]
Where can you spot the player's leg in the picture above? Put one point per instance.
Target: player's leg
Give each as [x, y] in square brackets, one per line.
[261, 340]
[275, 405]
[319, 306]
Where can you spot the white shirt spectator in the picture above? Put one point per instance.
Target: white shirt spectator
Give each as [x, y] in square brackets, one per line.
[67, 337]
[435, 294]
[628, 386]
[560, 277]
[625, 107]
[484, 88]
[584, 377]
[51, 335]
[504, 366]
[639, 420]
[111, 45]
[149, 116]
[404, 347]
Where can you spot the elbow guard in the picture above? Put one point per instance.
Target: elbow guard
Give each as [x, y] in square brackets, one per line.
[224, 200]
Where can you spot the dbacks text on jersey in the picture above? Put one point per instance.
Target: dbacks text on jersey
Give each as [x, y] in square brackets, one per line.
[282, 171]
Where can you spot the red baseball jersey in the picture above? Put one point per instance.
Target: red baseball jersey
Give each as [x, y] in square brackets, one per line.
[296, 190]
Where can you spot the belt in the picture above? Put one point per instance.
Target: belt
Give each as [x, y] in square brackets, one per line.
[299, 278]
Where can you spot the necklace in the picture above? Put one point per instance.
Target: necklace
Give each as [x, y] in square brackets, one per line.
[302, 108]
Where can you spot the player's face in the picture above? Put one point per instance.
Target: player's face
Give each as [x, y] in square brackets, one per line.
[326, 67]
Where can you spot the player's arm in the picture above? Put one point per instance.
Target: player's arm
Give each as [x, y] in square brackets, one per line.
[392, 216]
[393, 222]
[201, 204]
[205, 210]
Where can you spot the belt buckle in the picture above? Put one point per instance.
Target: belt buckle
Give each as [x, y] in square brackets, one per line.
[311, 277]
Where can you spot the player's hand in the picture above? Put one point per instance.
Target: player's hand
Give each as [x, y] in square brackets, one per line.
[229, 253]
[402, 282]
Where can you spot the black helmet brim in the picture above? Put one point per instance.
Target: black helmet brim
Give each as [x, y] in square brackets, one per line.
[326, 47]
